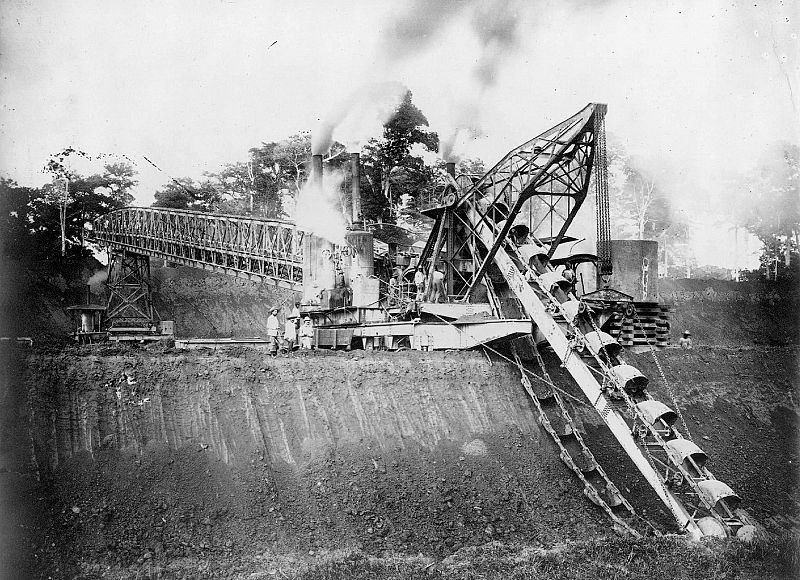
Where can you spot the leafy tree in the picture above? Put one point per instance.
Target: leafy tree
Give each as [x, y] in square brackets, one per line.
[292, 156]
[642, 209]
[185, 193]
[178, 194]
[390, 170]
[77, 199]
[766, 202]
[253, 187]
[18, 230]
[639, 206]
[38, 223]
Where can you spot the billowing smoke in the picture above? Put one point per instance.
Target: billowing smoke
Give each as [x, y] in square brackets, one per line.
[322, 136]
[358, 117]
[415, 27]
[495, 25]
[318, 209]
[98, 277]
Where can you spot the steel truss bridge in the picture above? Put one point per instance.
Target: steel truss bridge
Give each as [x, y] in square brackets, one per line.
[256, 249]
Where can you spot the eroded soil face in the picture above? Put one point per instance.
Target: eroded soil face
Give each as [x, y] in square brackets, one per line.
[151, 457]
[206, 455]
[154, 463]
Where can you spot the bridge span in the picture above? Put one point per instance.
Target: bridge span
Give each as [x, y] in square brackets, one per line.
[253, 248]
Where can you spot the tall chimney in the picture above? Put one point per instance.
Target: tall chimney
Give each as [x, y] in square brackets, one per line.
[88, 294]
[355, 174]
[316, 170]
[450, 167]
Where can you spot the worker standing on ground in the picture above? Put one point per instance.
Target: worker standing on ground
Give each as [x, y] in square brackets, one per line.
[686, 340]
[306, 334]
[289, 335]
[273, 329]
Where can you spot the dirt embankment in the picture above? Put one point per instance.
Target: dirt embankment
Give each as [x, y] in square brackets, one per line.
[209, 305]
[207, 455]
[726, 313]
[155, 456]
[740, 405]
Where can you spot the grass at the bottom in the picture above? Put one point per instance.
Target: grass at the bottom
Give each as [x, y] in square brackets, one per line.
[645, 559]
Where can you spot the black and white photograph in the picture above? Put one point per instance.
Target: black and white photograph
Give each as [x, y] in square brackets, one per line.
[399, 289]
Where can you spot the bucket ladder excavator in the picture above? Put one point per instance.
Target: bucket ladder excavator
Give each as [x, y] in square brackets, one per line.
[494, 241]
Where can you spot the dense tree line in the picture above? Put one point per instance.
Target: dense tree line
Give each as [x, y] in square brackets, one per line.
[42, 223]
[395, 180]
[274, 173]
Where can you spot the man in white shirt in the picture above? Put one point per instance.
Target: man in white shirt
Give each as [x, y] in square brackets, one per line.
[273, 330]
[438, 291]
[306, 334]
[289, 335]
[419, 280]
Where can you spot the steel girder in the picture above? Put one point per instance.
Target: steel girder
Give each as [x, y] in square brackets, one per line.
[130, 300]
[545, 179]
[257, 249]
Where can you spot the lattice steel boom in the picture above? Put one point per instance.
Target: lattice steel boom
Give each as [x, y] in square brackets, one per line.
[252, 248]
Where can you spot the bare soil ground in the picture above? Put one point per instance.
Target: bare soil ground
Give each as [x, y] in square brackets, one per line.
[215, 459]
[137, 463]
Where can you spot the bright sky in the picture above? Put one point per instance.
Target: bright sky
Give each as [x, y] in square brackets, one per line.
[698, 89]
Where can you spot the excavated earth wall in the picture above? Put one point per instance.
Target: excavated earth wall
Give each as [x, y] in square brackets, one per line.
[164, 455]
[151, 456]
[129, 457]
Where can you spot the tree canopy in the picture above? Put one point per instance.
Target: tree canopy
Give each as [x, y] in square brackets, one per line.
[766, 202]
[32, 217]
[391, 171]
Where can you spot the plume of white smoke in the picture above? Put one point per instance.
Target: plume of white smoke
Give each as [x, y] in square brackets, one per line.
[363, 113]
[98, 277]
[359, 117]
[317, 208]
[494, 24]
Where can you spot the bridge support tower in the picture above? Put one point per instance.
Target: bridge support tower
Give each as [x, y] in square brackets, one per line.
[130, 300]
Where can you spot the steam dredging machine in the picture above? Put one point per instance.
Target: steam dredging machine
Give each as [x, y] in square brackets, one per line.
[499, 271]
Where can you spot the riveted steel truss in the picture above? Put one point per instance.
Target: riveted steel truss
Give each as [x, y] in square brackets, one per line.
[130, 300]
[543, 182]
[257, 249]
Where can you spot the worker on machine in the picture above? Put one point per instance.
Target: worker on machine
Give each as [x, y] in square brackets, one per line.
[273, 331]
[686, 340]
[437, 289]
[306, 334]
[392, 292]
[569, 275]
[419, 282]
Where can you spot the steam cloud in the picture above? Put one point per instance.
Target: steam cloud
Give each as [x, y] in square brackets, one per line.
[362, 114]
[358, 117]
[495, 25]
[317, 209]
[98, 277]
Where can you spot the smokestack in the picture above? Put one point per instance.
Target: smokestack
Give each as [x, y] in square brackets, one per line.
[88, 294]
[450, 167]
[316, 170]
[355, 173]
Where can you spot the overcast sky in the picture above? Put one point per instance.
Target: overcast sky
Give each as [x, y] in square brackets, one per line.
[697, 90]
